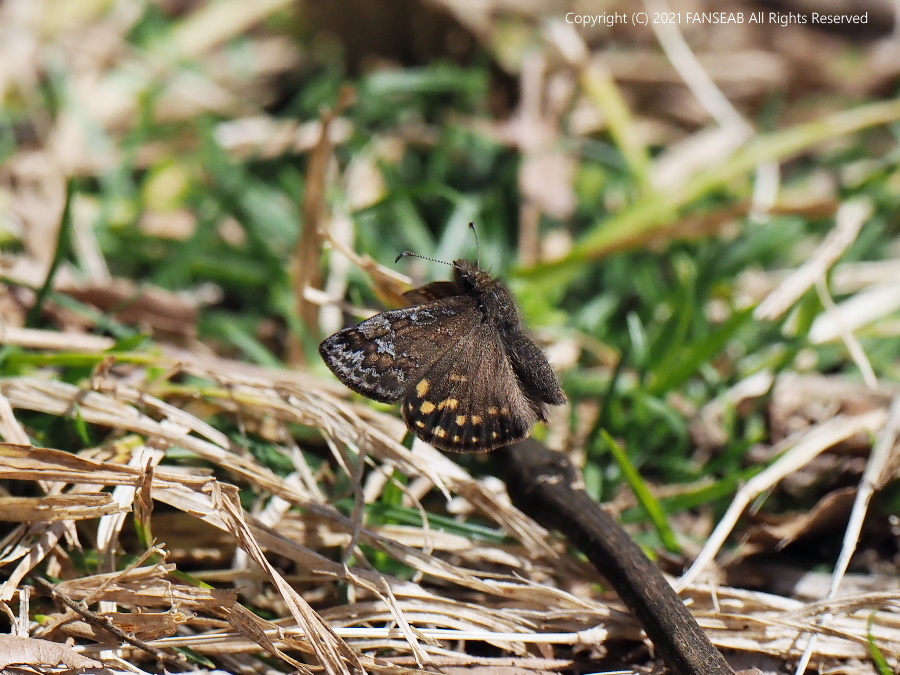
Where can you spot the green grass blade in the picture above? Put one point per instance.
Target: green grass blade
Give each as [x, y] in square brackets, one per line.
[645, 497]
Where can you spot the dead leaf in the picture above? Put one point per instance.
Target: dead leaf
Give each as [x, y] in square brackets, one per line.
[828, 514]
[142, 625]
[25, 651]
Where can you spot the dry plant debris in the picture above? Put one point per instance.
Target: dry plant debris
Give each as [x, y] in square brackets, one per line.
[512, 595]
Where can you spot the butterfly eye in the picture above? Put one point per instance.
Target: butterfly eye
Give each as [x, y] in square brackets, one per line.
[469, 281]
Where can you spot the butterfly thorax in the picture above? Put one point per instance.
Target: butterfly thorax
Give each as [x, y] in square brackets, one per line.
[492, 297]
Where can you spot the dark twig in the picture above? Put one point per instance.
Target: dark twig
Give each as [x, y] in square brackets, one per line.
[549, 488]
[104, 623]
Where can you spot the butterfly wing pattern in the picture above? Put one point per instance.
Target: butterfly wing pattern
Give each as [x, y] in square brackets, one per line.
[468, 377]
[380, 357]
[470, 399]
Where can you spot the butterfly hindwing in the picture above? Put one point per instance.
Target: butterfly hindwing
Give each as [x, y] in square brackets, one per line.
[382, 356]
[469, 399]
[532, 369]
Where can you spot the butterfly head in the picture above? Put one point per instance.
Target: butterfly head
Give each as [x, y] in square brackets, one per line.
[493, 297]
[469, 276]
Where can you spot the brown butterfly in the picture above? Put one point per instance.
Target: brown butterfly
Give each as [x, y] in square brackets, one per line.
[468, 376]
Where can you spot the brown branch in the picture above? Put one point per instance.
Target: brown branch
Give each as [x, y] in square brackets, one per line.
[546, 486]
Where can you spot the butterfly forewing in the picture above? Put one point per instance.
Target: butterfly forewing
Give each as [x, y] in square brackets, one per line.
[468, 400]
[433, 291]
[383, 356]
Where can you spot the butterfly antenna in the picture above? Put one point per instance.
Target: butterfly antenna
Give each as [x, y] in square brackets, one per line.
[477, 245]
[416, 255]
